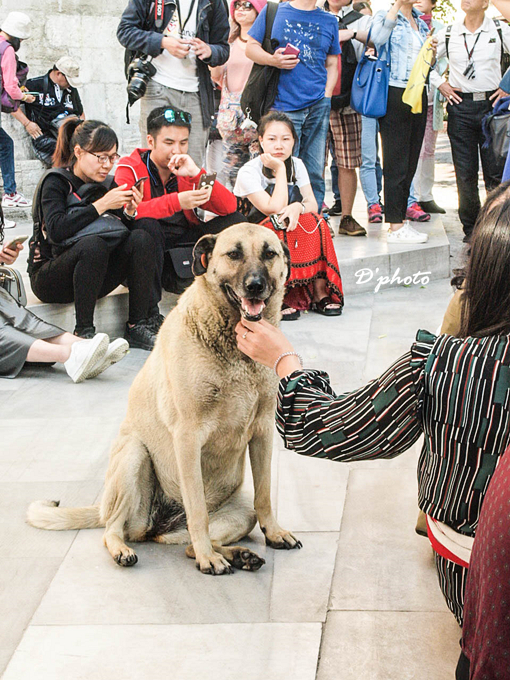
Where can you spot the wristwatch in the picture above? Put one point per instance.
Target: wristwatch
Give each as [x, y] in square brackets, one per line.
[130, 217]
[354, 34]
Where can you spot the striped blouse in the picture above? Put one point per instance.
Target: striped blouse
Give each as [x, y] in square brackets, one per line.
[454, 391]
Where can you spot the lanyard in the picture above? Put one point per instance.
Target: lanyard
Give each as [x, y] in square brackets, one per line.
[182, 26]
[470, 54]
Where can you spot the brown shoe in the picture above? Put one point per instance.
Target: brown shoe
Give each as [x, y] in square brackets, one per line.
[350, 227]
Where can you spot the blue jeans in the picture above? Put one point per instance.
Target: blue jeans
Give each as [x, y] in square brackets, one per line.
[370, 172]
[312, 129]
[7, 162]
[334, 179]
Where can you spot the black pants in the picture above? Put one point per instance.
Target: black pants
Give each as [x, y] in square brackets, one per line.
[466, 139]
[402, 136]
[88, 270]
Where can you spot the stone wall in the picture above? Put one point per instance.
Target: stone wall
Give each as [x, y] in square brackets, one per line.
[85, 29]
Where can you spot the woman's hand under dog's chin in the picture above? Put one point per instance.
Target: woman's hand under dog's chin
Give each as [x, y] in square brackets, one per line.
[264, 343]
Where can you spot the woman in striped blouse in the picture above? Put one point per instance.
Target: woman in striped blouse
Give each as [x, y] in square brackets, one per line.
[435, 389]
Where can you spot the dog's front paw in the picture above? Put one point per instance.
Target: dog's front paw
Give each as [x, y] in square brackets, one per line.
[214, 564]
[126, 557]
[243, 558]
[281, 540]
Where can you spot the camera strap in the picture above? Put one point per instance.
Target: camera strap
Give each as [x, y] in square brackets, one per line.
[159, 9]
[182, 26]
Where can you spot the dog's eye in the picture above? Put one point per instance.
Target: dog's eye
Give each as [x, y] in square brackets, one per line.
[269, 254]
[235, 255]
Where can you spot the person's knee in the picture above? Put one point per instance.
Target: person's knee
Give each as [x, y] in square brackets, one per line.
[92, 248]
[140, 241]
[153, 227]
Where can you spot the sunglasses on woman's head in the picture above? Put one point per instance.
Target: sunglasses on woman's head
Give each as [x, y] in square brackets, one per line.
[243, 4]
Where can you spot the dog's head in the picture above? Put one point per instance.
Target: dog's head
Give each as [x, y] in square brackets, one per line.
[247, 264]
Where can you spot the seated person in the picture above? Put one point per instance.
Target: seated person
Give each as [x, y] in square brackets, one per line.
[58, 99]
[277, 184]
[86, 242]
[26, 338]
[170, 194]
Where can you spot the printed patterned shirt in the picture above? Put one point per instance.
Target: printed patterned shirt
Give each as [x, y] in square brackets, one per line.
[456, 392]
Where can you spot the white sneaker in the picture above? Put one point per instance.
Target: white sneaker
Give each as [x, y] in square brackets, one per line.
[84, 357]
[116, 351]
[17, 200]
[406, 234]
[9, 224]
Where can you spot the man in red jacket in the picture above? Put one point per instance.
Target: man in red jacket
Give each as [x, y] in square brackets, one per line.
[170, 193]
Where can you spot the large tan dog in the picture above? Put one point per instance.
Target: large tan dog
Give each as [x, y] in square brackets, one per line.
[193, 409]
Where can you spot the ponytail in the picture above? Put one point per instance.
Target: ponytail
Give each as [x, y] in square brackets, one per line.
[91, 135]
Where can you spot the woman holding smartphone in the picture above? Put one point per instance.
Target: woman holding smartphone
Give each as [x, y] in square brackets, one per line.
[26, 338]
[91, 267]
[277, 193]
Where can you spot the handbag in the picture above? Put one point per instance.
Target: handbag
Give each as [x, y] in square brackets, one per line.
[11, 281]
[496, 130]
[262, 85]
[178, 275]
[369, 94]
[109, 227]
[231, 118]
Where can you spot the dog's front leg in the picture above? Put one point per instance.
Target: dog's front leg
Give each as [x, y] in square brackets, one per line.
[188, 454]
[261, 448]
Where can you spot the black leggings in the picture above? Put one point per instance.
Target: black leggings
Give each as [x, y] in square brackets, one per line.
[402, 136]
[88, 270]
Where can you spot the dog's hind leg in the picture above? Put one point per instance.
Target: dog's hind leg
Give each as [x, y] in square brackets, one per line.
[230, 523]
[127, 497]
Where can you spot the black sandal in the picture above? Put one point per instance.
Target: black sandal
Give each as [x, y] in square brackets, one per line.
[293, 316]
[321, 307]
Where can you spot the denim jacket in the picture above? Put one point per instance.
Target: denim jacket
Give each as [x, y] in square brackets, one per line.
[400, 38]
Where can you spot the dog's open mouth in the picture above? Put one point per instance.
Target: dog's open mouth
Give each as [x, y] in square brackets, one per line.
[251, 308]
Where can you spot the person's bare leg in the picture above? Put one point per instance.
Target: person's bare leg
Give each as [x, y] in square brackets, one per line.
[48, 352]
[396, 226]
[347, 184]
[64, 339]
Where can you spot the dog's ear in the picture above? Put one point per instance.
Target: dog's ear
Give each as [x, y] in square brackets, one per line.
[286, 253]
[201, 254]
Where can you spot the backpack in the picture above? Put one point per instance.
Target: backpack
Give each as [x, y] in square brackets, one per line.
[505, 58]
[10, 105]
[348, 64]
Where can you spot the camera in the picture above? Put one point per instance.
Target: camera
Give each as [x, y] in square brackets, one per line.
[139, 72]
[470, 71]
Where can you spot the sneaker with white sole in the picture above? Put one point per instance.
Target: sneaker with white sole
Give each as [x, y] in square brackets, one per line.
[117, 350]
[16, 200]
[406, 234]
[9, 224]
[85, 356]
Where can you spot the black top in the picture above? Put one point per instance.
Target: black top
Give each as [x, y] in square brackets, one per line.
[62, 221]
[47, 106]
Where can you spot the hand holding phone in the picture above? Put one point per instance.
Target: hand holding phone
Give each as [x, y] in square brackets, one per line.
[15, 242]
[292, 50]
[139, 182]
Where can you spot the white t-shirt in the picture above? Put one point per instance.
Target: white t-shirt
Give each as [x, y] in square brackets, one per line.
[179, 74]
[250, 179]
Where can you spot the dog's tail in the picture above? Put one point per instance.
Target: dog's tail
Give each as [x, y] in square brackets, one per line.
[48, 515]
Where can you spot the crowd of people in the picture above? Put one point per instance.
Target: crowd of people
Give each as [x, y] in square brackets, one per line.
[101, 220]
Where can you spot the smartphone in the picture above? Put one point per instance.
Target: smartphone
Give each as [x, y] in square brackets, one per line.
[16, 241]
[276, 223]
[290, 49]
[139, 182]
[206, 180]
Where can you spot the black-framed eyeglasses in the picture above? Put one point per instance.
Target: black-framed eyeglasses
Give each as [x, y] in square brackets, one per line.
[104, 158]
[243, 4]
[171, 116]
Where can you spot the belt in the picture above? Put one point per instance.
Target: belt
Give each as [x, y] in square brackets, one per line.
[476, 96]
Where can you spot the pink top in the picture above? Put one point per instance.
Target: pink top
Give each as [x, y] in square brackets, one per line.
[238, 67]
[9, 81]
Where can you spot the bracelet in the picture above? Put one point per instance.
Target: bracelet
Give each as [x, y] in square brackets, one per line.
[287, 354]
[130, 217]
[303, 206]
[354, 34]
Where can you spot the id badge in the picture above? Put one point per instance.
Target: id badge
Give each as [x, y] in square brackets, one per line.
[478, 96]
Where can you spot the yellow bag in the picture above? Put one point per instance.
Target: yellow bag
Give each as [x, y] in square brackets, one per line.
[414, 90]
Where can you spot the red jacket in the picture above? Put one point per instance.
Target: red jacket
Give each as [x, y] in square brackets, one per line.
[131, 168]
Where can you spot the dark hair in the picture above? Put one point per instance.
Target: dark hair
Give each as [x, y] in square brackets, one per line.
[156, 120]
[235, 28]
[91, 135]
[358, 6]
[276, 117]
[485, 302]
[1, 225]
